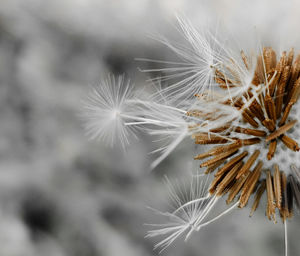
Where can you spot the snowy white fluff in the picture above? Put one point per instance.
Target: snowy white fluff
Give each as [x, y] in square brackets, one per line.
[200, 54]
[192, 207]
[113, 111]
[106, 110]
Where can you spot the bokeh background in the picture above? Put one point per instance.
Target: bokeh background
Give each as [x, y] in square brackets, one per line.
[61, 194]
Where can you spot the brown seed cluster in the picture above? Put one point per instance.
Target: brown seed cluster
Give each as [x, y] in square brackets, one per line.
[239, 173]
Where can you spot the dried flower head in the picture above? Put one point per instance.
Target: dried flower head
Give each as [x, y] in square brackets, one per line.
[243, 111]
[248, 156]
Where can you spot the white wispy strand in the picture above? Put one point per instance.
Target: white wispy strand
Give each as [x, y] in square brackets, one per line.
[106, 110]
[202, 55]
[171, 128]
[191, 207]
[113, 113]
[195, 71]
[221, 114]
[163, 120]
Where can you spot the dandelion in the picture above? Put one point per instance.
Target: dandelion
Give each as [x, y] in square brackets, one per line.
[242, 111]
[251, 141]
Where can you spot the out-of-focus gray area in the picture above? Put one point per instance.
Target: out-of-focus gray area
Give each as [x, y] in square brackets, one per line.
[63, 195]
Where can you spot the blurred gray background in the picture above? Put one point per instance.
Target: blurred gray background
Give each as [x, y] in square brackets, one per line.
[63, 195]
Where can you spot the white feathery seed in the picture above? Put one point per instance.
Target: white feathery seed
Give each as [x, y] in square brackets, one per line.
[106, 110]
[195, 72]
[191, 206]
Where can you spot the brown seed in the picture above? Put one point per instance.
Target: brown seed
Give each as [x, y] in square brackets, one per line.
[248, 164]
[249, 181]
[256, 109]
[237, 187]
[277, 186]
[231, 163]
[250, 185]
[272, 149]
[248, 142]
[267, 59]
[217, 150]
[290, 199]
[295, 189]
[282, 62]
[253, 132]
[259, 72]
[269, 124]
[286, 112]
[294, 91]
[258, 106]
[290, 143]
[228, 178]
[294, 75]
[213, 167]
[284, 212]
[287, 199]
[273, 62]
[270, 107]
[249, 119]
[215, 183]
[220, 129]
[270, 195]
[216, 140]
[281, 130]
[219, 157]
[278, 70]
[290, 57]
[258, 196]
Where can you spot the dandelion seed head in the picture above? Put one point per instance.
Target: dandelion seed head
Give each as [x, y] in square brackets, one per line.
[258, 150]
[245, 112]
[249, 129]
[242, 109]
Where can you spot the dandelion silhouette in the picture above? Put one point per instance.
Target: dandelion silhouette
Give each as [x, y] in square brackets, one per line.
[242, 109]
